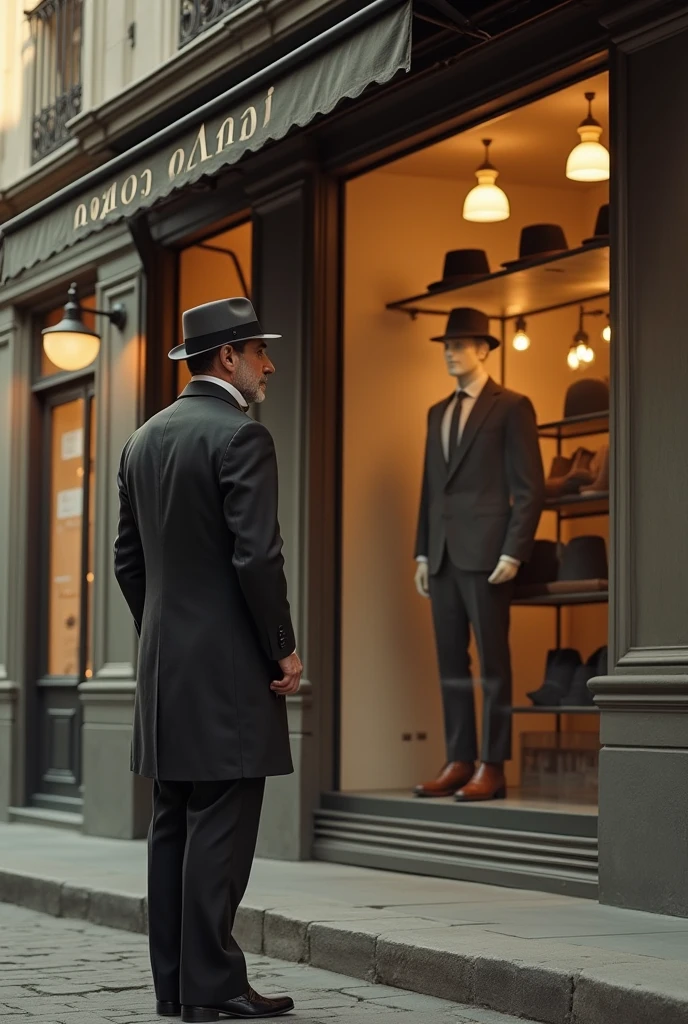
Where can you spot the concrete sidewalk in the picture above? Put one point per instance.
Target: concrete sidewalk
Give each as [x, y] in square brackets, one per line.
[548, 958]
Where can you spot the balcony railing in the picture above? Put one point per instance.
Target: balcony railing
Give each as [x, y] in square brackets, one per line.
[195, 16]
[56, 33]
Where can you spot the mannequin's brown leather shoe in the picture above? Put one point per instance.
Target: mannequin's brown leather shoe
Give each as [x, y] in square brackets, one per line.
[453, 776]
[488, 783]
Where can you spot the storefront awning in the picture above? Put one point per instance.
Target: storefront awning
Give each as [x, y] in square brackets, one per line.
[264, 108]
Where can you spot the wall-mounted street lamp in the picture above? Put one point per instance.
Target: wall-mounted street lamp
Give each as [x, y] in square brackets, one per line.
[70, 345]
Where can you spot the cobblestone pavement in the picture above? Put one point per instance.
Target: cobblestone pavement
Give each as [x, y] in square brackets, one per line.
[57, 971]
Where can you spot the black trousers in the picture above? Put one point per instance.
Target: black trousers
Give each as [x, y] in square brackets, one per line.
[201, 844]
[460, 600]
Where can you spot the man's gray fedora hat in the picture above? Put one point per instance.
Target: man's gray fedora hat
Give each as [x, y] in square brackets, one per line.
[214, 324]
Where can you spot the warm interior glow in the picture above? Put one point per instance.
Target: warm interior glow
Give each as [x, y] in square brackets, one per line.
[607, 333]
[589, 160]
[521, 341]
[71, 350]
[487, 203]
[572, 358]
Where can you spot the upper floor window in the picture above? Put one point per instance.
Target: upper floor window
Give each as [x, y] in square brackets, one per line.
[56, 29]
[195, 16]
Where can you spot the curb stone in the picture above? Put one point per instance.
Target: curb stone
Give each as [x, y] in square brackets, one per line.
[567, 986]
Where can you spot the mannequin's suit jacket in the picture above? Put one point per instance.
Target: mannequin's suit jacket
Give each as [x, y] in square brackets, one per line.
[487, 501]
[198, 557]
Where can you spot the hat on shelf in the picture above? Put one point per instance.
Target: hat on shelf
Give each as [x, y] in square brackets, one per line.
[541, 567]
[461, 266]
[601, 226]
[468, 323]
[538, 241]
[214, 324]
[585, 397]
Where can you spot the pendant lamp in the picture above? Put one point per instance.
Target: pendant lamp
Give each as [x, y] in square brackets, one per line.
[581, 353]
[607, 331]
[70, 345]
[521, 341]
[589, 160]
[486, 203]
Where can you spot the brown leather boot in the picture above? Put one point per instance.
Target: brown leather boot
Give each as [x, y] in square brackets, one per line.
[453, 776]
[488, 783]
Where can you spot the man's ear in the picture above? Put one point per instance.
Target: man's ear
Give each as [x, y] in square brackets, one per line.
[483, 351]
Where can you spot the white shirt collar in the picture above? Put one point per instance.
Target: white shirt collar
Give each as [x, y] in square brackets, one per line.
[476, 386]
[243, 404]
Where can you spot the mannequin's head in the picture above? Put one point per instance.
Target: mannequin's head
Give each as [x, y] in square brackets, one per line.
[464, 356]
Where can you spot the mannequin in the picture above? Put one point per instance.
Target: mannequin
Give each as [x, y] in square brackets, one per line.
[483, 492]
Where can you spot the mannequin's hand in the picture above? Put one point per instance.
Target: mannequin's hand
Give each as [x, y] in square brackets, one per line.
[505, 571]
[422, 585]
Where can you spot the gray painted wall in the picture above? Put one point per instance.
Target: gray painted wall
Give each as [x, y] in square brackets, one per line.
[643, 831]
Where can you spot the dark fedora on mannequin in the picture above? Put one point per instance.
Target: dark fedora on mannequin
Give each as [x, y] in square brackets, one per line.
[214, 324]
[461, 266]
[601, 226]
[467, 323]
[538, 241]
[586, 397]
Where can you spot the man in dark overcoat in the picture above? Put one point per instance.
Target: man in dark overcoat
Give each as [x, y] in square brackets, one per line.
[198, 557]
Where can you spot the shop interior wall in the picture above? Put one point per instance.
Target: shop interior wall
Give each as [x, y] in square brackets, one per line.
[398, 228]
[205, 276]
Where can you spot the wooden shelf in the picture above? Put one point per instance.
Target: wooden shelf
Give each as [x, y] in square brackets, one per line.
[556, 709]
[562, 600]
[579, 275]
[576, 426]
[579, 506]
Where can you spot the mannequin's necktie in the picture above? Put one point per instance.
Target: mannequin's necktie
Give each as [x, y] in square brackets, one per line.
[454, 424]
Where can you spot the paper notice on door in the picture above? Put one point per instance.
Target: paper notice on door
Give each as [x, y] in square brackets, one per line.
[72, 444]
[70, 504]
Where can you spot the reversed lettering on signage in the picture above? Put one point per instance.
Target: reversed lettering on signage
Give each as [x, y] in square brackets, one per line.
[182, 159]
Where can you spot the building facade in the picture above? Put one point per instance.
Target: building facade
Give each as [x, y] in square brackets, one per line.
[315, 157]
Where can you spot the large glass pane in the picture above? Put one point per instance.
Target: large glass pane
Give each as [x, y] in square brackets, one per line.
[65, 537]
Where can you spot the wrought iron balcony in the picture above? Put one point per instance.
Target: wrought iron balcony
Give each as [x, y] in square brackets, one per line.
[56, 34]
[195, 16]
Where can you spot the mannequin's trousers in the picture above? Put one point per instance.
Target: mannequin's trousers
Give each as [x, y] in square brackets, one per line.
[461, 600]
[201, 844]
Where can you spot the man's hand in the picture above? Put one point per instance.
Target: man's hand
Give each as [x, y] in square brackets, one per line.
[421, 580]
[506, 570]
[291, 669]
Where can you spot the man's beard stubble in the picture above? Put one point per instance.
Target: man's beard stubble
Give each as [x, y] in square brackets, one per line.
[251, 387]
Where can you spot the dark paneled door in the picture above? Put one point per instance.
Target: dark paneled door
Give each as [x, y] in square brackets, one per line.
[67, 576]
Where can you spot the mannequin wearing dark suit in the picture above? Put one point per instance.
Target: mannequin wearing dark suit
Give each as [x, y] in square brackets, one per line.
[198, 557]
[482, 495]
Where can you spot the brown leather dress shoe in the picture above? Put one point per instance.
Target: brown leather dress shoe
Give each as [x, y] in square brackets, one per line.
[488, 783]
[453, 776]
[248, 1005]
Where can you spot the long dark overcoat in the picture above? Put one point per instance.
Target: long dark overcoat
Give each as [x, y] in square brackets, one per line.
[487, 501]
[199, 560]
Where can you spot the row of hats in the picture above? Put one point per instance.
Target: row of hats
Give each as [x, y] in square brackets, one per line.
[538, 241]
[565, 569]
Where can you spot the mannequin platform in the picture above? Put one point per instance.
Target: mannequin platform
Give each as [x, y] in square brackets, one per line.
[525, 841]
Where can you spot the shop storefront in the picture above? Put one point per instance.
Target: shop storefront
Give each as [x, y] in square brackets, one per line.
[331, 191]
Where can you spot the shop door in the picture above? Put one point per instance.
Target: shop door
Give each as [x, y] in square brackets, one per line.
[66, 590]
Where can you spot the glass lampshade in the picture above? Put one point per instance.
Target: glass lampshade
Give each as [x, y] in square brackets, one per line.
[588, 161]
[572, 358]
[71, 350]
[607, 333]
[486, 203]
[70, 345]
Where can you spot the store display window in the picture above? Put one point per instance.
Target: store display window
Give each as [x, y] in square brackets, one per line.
[499, 233]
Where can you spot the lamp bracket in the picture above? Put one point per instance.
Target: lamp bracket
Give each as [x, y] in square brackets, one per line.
[117, 315]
